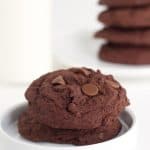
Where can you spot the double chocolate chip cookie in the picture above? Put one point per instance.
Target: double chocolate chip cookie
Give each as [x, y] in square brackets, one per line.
[126, 23]
[74, 106]
[75, 98]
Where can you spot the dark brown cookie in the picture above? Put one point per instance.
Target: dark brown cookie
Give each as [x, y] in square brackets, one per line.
[34, 131]
[77, 98]
[126, 17]
[125, 36]
[125, 54]
[124, 3]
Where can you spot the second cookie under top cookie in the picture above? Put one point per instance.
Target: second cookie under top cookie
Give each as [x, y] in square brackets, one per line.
[126, 17]
[77, 98]
[31, 129]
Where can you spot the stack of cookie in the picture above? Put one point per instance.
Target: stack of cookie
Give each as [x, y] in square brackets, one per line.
[127, 31]
[75, 106]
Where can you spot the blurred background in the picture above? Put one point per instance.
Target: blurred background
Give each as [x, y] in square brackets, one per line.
[38, 36]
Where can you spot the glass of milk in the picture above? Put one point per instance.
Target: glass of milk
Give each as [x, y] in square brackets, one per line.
[25, 39]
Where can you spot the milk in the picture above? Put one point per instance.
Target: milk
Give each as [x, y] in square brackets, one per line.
[25, 39]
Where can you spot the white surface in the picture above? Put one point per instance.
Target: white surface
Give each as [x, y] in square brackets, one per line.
[25, 39]
[83, 56]
[10, 137]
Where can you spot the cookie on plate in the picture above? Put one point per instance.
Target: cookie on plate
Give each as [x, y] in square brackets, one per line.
[125, 36]
[76, 98]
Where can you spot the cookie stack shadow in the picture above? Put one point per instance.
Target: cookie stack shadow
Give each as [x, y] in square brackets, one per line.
[127, 31]
[75, 106]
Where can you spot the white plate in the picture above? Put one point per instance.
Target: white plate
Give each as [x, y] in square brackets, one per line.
[10, 138]
[73, 42]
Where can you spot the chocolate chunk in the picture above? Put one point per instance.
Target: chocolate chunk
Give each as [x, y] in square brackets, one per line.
[90, 89]
[113, 84]
[59, 80]
[85, 71]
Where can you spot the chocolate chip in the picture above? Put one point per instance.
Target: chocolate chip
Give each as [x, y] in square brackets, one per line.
[85, 71]
[90, 89]
[59, 80]
[113, 84]
[72, 108]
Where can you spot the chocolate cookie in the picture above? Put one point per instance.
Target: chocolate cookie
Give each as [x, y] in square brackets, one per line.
[126, 17]
[125, 54]
[77, 98]
[124, 3]
[31, 129]
[125, 36]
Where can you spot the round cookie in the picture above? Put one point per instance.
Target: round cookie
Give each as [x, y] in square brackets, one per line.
[77, 98]
[125, 54]
[126, 17]
[125, 36]
[31, 129]
[124, 3]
